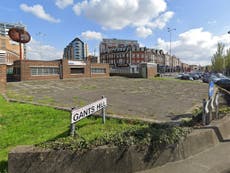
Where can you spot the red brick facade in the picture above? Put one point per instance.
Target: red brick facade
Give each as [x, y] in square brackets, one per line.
[2, 78]
[59, 69]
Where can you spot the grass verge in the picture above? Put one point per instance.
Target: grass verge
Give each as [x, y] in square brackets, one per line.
[25, 124]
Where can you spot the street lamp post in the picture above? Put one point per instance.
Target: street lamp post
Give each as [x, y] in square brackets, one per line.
[224, 61]
[41, 38]
[170, 46]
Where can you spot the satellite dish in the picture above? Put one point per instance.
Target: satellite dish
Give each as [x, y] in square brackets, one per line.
[19, 35]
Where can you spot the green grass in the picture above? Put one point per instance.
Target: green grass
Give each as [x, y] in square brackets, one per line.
[46, 100]
[19, 96]
[78, 101]
[23, 124]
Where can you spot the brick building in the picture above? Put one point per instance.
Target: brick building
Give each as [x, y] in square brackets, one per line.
[57, 69]
[128, 53]
[2, 78]
[107, 45]
[6, 43]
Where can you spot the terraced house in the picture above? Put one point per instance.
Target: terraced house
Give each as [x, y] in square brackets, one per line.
[128, 54]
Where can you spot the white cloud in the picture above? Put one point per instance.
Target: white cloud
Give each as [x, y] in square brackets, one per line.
[91, 35]
[161, 21]
[39, 12]
[195, 46]
[143, 32]
[112, 14]
[38, 51]
[63, 3]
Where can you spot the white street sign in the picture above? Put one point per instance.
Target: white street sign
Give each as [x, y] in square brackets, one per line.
[78, 114]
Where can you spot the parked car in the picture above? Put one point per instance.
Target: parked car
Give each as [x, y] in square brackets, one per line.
[205, 78]
[213, 77]
[194, 76]
[224, 83]
[179, 76]
[186, 77]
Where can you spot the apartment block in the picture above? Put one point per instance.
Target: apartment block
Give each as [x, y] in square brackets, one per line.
[75, 50]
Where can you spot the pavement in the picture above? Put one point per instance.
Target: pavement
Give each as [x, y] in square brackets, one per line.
[212, 160]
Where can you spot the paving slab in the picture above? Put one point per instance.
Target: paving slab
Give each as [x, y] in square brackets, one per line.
[156, 99]
[213, 160]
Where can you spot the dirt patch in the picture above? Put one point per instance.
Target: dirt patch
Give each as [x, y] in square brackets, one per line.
[138, 98]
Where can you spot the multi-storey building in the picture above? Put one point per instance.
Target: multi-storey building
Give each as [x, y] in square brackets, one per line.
[10, 47]
[127, 53]
[75, 50]
[5, 27]
[86, 50]
[123, 57]
[109, 44]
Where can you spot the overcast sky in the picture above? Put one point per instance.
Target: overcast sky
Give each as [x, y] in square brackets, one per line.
[199, 24]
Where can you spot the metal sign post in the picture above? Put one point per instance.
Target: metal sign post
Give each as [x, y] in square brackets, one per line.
[72, 125]
[78, 114]
[103, 113]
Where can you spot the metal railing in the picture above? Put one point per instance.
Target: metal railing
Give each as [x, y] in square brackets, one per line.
[210, 109]
[211, 106]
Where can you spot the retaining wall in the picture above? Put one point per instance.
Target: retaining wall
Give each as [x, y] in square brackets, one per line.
[29, 159]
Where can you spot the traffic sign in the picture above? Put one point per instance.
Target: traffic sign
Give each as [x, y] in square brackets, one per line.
[211, 89]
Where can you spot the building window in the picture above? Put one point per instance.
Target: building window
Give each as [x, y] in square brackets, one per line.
[77, 70]
[44, 71]
[98, 70]
[17, 70]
